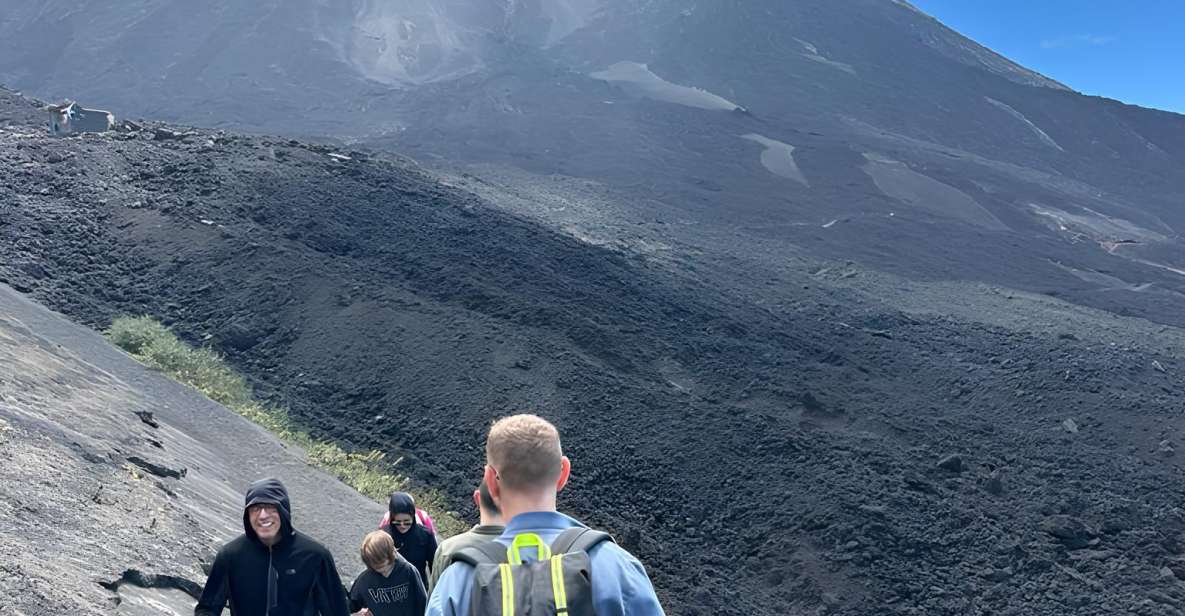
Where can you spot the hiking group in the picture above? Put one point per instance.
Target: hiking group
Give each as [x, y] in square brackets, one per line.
[524, 557]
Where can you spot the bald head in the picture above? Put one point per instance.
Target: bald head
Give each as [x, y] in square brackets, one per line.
[525, 452]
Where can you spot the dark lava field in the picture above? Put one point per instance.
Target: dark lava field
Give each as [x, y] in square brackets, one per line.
[828, 451]
[846, 315]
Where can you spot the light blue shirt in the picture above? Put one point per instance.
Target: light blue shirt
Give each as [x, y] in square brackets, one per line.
[620, 586]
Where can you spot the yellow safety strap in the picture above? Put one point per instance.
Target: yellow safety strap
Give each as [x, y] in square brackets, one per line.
[507, 590]
[527, 540]
[557, 585]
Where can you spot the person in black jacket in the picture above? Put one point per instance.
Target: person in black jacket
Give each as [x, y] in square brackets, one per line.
[390, 586]
[415, 543]
[272, 570]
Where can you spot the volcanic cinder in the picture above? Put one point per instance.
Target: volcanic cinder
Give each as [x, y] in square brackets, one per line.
[895, 330]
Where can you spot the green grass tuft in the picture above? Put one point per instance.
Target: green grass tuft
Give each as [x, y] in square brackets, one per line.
[205, 370]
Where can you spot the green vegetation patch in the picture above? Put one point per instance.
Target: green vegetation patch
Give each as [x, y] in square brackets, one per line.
[205, 370]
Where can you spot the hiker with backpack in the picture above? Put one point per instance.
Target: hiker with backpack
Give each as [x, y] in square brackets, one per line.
[544, 562]
[416, 544]
[489, 528]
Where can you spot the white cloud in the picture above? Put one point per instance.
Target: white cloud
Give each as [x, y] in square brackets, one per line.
[1078, 40]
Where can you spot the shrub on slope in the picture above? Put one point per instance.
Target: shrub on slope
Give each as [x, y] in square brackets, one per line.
[370, 473]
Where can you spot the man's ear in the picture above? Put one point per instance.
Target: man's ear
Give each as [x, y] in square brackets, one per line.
[565, 472]
[477, 499]
[491, 478]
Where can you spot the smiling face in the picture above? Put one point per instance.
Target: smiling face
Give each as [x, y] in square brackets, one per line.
[265, 521]
[402, 522]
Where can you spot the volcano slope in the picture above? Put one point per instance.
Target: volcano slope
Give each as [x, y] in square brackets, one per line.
[933, 157]
[937, 158]
[118, 484]
[770, 436]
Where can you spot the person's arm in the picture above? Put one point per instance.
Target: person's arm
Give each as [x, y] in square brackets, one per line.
[329, 596]
[640, 598]
[420, 598]
[450, 597]
[620, 584]
[438, 563]
[217, 589]
[433, 546]
[357, 596]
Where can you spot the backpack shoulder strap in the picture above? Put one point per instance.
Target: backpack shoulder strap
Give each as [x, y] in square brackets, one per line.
[488, 552]
[578, 539]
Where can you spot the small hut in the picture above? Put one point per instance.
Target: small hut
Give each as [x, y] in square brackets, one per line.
[70, 117]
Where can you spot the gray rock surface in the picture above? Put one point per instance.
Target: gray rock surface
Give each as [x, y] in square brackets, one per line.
[76, 515]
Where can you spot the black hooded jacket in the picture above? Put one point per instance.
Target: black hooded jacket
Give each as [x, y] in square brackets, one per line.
[294, 577]
[417, 546]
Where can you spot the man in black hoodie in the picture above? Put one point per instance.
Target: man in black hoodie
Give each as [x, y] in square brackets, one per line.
[415, 543]
[272, 570]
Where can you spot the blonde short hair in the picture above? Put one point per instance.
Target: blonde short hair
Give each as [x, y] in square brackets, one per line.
[525, 451]
[378, 550]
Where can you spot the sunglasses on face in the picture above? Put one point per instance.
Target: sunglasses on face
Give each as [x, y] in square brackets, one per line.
[401, 522]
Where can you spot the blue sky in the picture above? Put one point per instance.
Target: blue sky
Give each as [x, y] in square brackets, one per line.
[1133, 51]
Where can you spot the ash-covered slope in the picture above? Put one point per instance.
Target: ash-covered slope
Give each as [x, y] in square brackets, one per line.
[927, 155]
[771, 434]
[118, 485]
[299, 66]
[315, 67]
[930, 156]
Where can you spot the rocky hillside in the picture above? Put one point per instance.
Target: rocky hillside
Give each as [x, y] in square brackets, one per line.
[118, 485]
[919, 152]
[255, 64]
[769, 431]
[928, 155]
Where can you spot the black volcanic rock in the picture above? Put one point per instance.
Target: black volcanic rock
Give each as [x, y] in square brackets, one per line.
[389, 308]
[1071, 531]
[953, 463]
[978, 168]
[954, 251]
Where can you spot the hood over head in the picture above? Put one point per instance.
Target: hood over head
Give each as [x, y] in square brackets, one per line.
[402, 502]
[268, 492]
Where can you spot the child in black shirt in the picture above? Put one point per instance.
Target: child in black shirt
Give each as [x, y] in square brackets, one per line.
[390, 586]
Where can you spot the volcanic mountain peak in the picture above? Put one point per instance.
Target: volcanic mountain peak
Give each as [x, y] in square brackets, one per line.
[318, 67]
[962, 49]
